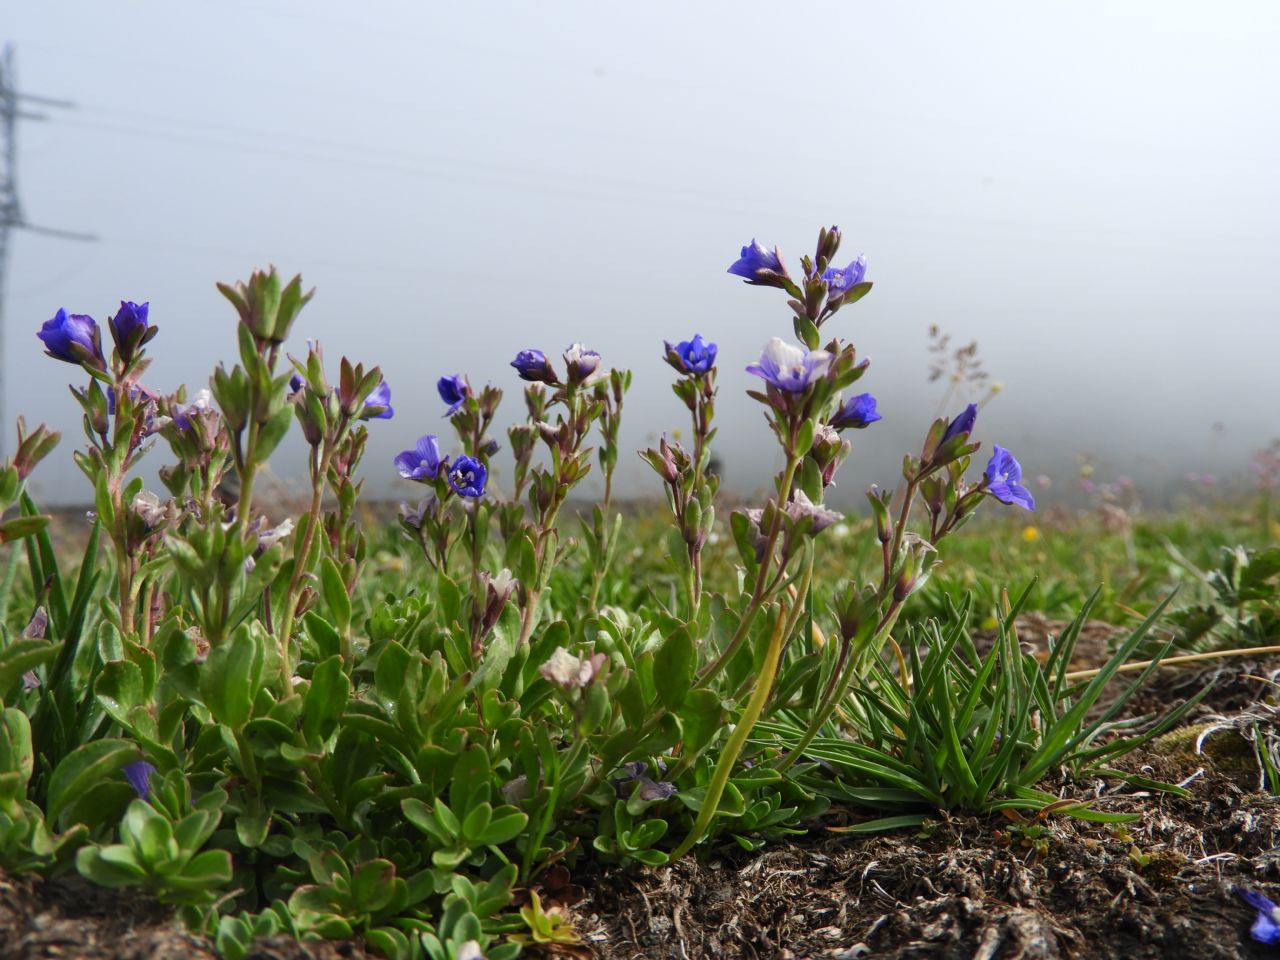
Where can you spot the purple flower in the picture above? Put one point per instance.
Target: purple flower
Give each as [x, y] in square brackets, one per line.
[1002, 475]
[580, 362]
[467, 477]
[695, 356]
[840, 282]
[139, 774]
[856, 412]
[790, 368]
[754, 259]
[72, 337]
[377, 406]
[129, 321]
[962, 424]
[1266, 928]
[533, 365]
[453, 391]
[423, 462]
[296, 383]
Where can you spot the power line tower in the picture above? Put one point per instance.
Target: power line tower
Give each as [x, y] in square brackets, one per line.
[12, 109]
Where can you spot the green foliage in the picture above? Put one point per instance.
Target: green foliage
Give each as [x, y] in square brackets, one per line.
[388, 732]
[977, 733]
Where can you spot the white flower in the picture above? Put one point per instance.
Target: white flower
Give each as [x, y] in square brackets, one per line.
[788, 367]
[564, 669]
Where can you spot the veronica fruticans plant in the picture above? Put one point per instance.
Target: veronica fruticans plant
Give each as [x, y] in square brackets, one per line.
[690, 488]
[576, 407]
[331, 421]
[601, 533]
[119, 417]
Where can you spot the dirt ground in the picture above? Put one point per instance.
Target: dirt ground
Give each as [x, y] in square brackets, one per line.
[971, 888]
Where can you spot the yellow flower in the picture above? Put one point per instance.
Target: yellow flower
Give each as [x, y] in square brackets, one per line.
[1030, 534]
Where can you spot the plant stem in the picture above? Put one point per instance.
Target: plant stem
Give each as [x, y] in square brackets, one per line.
[1138, 665]
[738, 739]
[829, 702]
[758, 592]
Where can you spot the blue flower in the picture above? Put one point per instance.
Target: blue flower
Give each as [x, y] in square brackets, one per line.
[1002, 475]
[296, 383]
[423, 462]
[453, 391]
[139, 774]
[790, 368]
[532, 365]
[72, 337]
[856, 412]
[377, 406]
[580, 362]
[1266, 928]
[695, 356]
[129, 320]
[962, 424]
[467, 477]
[754, 259]
[840, 282]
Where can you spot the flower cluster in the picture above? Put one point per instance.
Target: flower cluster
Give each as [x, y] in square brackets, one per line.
[580, 364]
[466, 476]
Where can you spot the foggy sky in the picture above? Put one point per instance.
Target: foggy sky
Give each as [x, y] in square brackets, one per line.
[1090, 190]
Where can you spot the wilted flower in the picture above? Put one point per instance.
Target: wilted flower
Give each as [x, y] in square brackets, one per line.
[1002, 475]
[918, 558]
[695, 356]
[37, 626]
[412, 516]
[802, 507]
[467, 477]
[565, 670]
[453, 391]
[182, 412]
[497, 592]
[788, 367]
[635, 781]
[756, 258]
[534, 366]
[269, 538]
[139, 774]
[962, 424]
[580, 362]
[377, 406]
[650, 789]
[841, 281]
[150, 510]
[423, 462]
[72, 337]
[856, 412]
[1266, 928]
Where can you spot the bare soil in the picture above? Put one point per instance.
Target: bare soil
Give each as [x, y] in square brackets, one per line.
[973, 888]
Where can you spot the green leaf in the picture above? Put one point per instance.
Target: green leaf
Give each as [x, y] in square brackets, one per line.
[335, 593]
[113, 866]
[19, 657]
[882, 824]
[231, 676]
[506, 824]
[85, 767]
[673, 668]
[326, 699]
